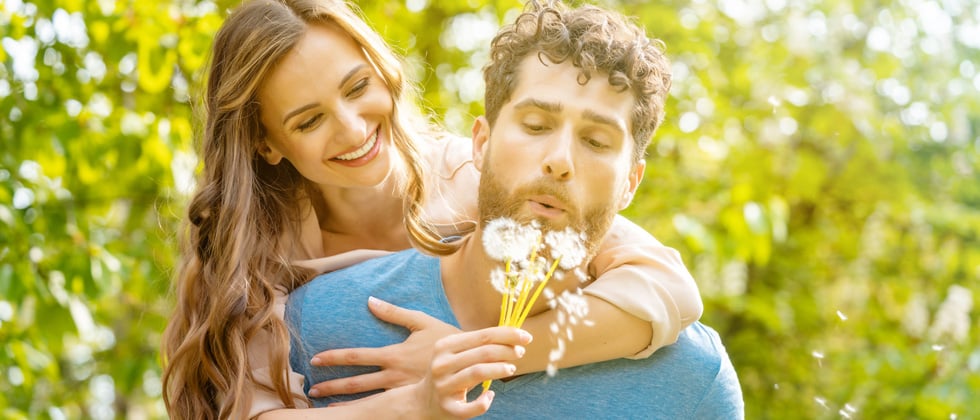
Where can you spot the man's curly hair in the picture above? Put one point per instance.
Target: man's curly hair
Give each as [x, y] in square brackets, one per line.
[598, 42]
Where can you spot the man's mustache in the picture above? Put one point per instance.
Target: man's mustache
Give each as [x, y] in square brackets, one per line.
[546, 187]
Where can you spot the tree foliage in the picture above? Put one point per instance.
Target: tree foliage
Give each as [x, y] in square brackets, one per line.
[818, 170]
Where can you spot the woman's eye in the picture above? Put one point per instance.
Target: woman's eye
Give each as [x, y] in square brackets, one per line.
[358, 88]
[309, 123]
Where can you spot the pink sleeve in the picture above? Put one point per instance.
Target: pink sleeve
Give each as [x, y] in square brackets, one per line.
[641, 276]
[451, 184]
[258, 350]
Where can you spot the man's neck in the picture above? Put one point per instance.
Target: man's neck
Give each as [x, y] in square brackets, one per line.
[466, 279]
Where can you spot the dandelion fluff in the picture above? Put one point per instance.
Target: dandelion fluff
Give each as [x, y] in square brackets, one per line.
[499, 280]
[504, 239]
[567, 244]
[552, 370]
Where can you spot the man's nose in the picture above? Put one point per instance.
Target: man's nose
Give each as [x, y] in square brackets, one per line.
[557, 162]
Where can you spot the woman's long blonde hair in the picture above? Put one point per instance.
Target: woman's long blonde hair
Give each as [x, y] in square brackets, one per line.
[244, 218]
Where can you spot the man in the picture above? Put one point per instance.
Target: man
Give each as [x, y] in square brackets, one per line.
[573, 97]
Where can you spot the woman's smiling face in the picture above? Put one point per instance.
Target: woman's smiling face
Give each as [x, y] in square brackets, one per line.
[325, 110]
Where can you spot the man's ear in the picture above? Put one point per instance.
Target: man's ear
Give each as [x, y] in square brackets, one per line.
[632, 182]
[270, 154]
[481, 135]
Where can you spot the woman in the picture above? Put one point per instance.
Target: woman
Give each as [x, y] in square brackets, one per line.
[311, 156]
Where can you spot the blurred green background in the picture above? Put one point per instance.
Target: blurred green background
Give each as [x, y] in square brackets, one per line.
[818, 170]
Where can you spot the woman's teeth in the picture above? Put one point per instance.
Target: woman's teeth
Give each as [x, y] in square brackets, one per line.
[362, 151]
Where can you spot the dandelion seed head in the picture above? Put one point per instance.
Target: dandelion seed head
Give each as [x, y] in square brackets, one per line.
[505, 239]
[568, 245]
[551, 370]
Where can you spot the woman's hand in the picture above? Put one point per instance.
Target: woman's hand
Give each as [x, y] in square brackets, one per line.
[401, 364]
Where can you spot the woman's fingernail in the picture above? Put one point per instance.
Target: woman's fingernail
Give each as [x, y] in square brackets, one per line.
[526, 337]
[520, 350]
[373, 301]
[314, 393]
[316, 361]
[490, 395]
[511, 369]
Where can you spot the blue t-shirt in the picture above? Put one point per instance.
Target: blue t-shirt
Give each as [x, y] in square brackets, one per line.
[690, 379]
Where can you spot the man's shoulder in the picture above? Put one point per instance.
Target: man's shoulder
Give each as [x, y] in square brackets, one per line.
[404, 258]
[701, 341]
[370, 271]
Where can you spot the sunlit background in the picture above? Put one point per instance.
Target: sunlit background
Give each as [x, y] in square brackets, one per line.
[818, 171]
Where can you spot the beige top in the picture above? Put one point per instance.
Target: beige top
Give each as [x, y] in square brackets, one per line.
[632, 269]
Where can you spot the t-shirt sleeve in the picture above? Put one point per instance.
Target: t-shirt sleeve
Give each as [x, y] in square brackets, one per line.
[641, 276]
[724, 399]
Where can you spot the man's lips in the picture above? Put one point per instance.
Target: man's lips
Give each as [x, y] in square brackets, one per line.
[546, 205]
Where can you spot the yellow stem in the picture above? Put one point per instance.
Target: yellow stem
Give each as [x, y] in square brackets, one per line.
[503, 299]
[521, 300]
[527, 309]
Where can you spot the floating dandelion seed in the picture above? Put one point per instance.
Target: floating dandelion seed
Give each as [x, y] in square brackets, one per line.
[821, 401]
[817, 354]
[938, 347]
[841, 316]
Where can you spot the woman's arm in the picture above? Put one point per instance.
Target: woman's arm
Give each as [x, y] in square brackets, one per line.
[459, 362]
[642, 299]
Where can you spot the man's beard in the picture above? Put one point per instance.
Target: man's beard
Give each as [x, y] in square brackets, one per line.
[494, 202]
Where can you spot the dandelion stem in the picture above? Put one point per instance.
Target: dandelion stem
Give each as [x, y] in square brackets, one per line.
[527, 310]
[522, 300]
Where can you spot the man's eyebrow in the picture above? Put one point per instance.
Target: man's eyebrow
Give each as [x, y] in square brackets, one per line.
[604, 120]
[537, 103]
[340, 86]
